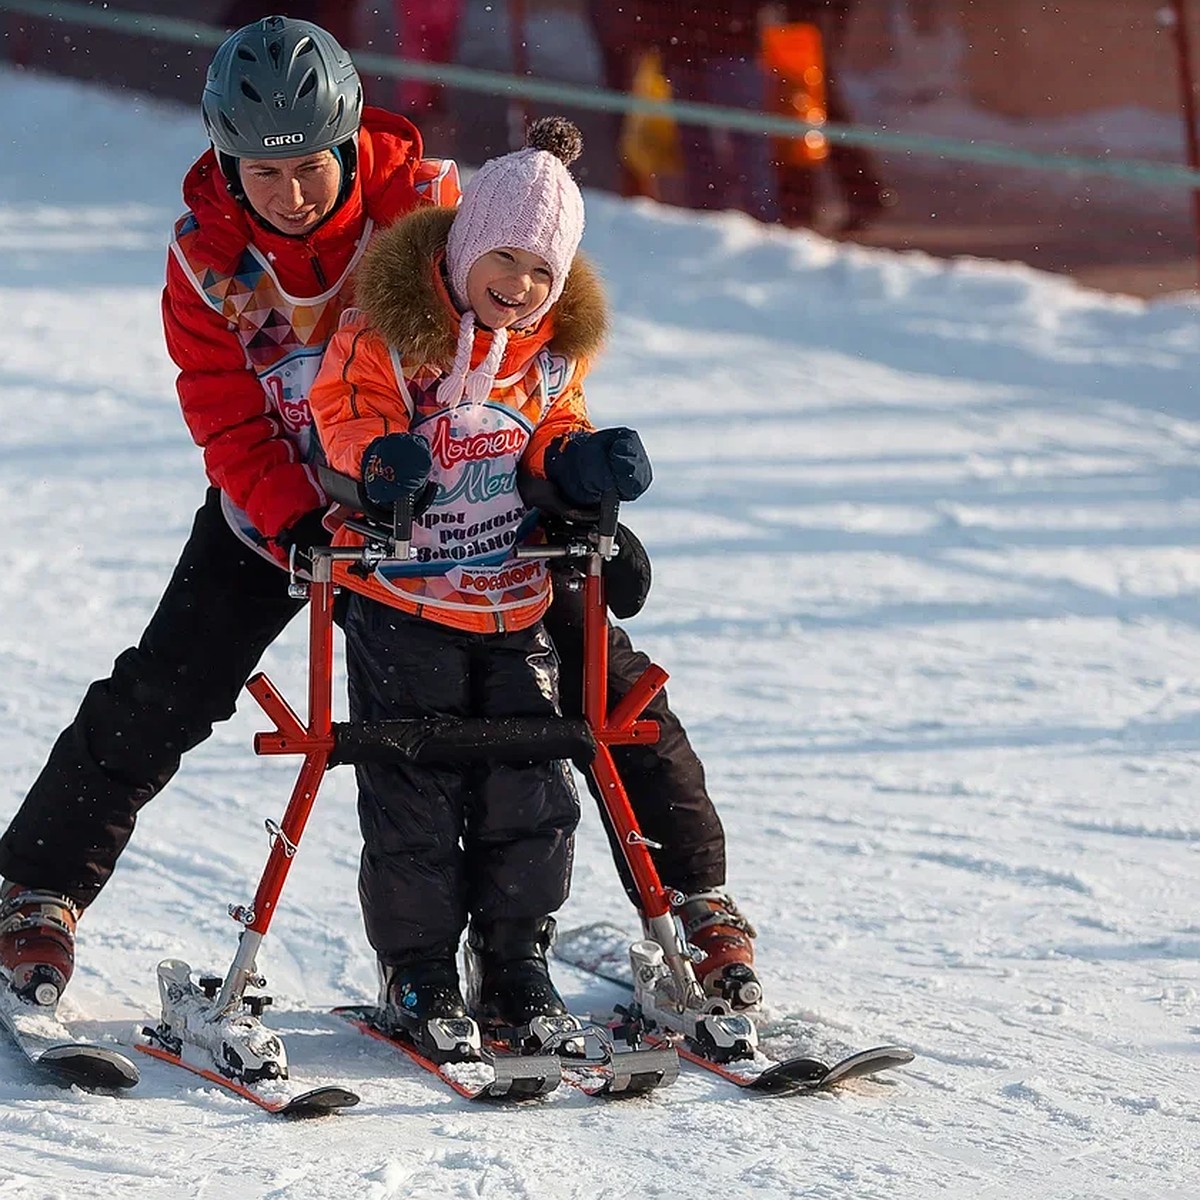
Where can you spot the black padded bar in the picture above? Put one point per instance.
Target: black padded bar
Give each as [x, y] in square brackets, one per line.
[453, 740]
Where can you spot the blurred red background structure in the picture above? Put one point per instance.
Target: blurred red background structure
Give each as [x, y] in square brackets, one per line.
[1091, 77]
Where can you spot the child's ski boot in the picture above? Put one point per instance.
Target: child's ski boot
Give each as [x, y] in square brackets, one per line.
[510, 989]
[715, 927]
[422, 1001]
[37, 943]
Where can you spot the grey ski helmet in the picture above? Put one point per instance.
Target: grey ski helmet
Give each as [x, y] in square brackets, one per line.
[280, 88]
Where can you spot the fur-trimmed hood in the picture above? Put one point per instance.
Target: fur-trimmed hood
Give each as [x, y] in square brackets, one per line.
[399, 288]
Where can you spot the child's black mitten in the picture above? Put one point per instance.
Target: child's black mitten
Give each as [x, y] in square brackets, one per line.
[586, 465]
[395, 466]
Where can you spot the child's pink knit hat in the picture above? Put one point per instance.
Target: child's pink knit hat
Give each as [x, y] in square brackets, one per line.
[527, 200]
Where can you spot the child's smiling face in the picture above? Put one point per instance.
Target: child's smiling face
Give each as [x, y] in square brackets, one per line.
[505, 285]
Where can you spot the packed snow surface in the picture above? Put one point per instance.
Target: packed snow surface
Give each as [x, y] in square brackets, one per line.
[925, 536]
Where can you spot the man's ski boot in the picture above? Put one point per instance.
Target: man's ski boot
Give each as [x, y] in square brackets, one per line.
[37, 942]
[715, 927]
[422, 1001]
[509, 986]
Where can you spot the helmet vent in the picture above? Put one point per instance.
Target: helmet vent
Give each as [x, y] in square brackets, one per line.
[230, 126]
[248, 91]
[336, 115]
[308, 84]
[275, 50]
[246, 54]
[304, 46]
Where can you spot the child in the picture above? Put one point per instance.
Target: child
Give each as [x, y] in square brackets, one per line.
[464, 363]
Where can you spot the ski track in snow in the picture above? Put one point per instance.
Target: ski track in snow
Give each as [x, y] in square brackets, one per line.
[926, 582]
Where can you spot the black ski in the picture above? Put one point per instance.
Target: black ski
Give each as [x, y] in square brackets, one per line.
[603, 950]
[52, 1050]
[811, 1075]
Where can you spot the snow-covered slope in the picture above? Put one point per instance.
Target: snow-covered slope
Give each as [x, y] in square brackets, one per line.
[927, 582]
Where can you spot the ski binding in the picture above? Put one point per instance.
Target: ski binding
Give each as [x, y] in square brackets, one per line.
[481, 1073]
[656, 1018]
[714, 1029]
[231, 1048]
[590, 1058]
[234, 1043]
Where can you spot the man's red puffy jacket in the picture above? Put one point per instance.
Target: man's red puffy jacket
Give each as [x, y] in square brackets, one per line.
[247, 454]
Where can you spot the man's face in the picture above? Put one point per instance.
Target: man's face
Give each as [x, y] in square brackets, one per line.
[292, 194]
[504, 286]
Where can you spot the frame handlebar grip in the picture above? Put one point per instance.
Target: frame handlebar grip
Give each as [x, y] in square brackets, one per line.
[402, 519]
[610, 506]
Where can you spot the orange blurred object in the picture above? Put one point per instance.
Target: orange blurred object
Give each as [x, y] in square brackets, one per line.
[649, 147]
[793, 55]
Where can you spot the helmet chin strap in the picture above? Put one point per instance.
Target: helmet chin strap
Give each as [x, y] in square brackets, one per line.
[233, 176]
[346, 154]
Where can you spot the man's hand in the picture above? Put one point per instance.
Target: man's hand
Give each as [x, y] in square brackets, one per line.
[306, 532]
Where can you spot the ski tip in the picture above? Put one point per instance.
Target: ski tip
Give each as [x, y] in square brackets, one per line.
[93, 1067]
[869, 1062]
[895, 1056]
[795, 1075]
[810, 1075]
[319, 1101]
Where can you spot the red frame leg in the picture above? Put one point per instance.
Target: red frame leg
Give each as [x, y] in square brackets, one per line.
[314, 741]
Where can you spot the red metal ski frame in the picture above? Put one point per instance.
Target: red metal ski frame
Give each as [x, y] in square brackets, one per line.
[291, 736]
[622, 725]
[618, 727]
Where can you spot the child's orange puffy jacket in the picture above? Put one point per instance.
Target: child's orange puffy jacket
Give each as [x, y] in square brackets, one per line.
[380, 375]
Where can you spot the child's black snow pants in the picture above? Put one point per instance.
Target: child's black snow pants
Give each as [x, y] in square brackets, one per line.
[224, 605]
[493, 841]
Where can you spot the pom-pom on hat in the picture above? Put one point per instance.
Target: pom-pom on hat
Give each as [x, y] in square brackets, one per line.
[527, 200]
